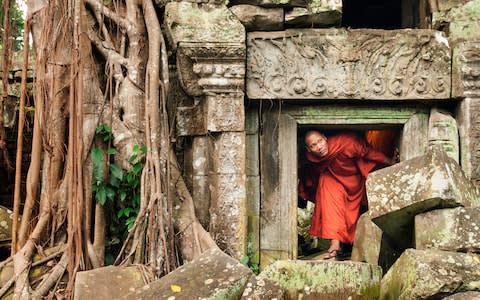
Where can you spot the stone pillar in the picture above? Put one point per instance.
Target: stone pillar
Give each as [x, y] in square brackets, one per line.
[443, 131]
[466, 84]
[211, 68]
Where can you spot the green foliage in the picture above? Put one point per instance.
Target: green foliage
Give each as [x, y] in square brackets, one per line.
[16, 25]
[245, 260]
[118, 190]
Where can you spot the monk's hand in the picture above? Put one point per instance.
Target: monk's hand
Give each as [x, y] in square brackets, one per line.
[302, 203]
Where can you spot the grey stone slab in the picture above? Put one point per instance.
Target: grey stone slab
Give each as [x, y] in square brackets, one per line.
[430, 274]
[456, 229]
[213, 275]
[225, 112]
[325, 279]
[107, 283]
[461, 22]
[252, 167]
[398, 193]
[348, 64]
[256, 18]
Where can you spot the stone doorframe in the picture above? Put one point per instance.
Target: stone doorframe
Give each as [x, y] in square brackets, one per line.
[278, 161]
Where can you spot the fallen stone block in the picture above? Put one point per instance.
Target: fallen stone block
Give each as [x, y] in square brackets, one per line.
[455, 229]
[107, 283]
[213, 275]
[431, 274]
[464, 296]
[324, 279]
[256, 18]
[262, 289]
[371, 245]
[398, 193]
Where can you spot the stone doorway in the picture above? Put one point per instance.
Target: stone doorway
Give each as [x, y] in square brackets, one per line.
[277, 141]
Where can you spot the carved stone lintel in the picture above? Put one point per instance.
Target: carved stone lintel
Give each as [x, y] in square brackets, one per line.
[466, 70]
[348, 64]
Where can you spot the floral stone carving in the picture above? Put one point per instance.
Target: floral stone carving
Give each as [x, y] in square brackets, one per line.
[348, 64]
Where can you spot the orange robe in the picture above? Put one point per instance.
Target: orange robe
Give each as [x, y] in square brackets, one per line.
[337, 184]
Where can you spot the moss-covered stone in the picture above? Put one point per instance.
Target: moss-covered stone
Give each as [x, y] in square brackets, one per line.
[213, 275]
[463, 21]
[431, 274]
[325, 279]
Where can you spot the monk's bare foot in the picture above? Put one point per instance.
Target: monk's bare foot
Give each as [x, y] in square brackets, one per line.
[332, 251]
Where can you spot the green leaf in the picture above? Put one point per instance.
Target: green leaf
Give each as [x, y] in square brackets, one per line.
[123, 196]
[136, 200]
[136, 148]
[116, 171]
[143, 149]
[111, 151]
[114, 181]
[130, 221]
[101, 195]
[98, 164]
[107, 138]
[110, 193]
[137, 168]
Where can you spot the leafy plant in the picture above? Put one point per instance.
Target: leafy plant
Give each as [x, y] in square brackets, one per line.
[116, 189]
[245, 260]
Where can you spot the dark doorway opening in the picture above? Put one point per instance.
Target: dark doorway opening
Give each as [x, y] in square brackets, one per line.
[381, 138]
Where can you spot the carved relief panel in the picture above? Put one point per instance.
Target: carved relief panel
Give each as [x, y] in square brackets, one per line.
[348, 64]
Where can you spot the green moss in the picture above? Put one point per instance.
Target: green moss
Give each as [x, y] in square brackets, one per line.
[233, 292]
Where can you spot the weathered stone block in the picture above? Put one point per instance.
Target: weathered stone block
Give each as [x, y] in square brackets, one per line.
[455, 229]
[371, 245]
[466, 69]
[325, 279]
[107, 282]
[316, 14]
[443, 131]
[225, 112]
[302, 17]
[464, 296]
[190, 22]
[228, 218]
[462, 20]
[228, 153]
[444, 5]
[398, 193]
[468, 118]
[348, 64]
[256, 18]
[263, 289]
[190, 120]
[213, 275]
[430, 274]
[414, 139]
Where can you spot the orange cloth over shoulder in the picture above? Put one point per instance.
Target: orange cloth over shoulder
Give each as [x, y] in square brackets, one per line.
[337, 184]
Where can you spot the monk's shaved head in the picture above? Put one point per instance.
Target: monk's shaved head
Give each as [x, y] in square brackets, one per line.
[316, 143]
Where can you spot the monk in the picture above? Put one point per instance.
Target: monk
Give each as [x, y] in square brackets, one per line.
[334, 179]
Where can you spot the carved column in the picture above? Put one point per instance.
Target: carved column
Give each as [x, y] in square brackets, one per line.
[466, 83]
[211, 68]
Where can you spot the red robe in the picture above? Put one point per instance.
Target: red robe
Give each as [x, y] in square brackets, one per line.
[337, 184]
